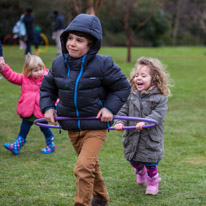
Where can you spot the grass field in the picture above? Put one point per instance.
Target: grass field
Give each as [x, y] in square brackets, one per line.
[32, 178]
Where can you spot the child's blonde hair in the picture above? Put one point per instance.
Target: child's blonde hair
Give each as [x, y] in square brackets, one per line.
[160, 78]
[32, 62]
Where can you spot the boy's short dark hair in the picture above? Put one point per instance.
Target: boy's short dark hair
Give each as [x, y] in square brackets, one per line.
[91, 39]
[29, 10]
[55, 12]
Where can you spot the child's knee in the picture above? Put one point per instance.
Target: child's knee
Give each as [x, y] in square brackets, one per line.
[84, 168]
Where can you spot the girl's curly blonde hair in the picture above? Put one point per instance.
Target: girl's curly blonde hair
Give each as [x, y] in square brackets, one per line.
[32, 62]
[160, 78]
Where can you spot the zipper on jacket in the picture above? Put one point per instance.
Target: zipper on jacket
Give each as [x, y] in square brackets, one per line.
[66, 61]
[141, 106]
[140, 102]
[75, 90]
[101, 103]
[108, 125]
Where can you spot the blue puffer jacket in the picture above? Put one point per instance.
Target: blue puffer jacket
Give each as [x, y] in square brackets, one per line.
[86, 84]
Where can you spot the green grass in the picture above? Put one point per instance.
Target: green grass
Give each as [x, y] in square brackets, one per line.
[32, 178]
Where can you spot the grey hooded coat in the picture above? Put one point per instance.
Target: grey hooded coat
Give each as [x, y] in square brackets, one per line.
[147, 145]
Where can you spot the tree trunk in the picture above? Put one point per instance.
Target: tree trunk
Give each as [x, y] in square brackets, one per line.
[129, 5]
[129, 42]
[90, 7]
[97, 6]
[77, 6]
[179, 8]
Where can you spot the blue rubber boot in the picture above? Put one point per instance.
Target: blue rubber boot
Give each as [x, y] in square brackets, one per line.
[16, 146]
[50, 146]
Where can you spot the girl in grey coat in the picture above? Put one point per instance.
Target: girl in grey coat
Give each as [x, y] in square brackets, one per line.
[143, 148]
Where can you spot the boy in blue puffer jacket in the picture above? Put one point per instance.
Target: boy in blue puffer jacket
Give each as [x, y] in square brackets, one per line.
[87, 84]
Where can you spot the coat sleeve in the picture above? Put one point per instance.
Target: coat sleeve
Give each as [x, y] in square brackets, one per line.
[48, 92]
[11, 76]
[159, 110]
[117, 85]
[124, 111]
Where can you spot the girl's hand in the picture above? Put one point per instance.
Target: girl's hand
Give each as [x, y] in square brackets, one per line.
[139, 126]
[49, 116]
[119, 126]
[2, 63]
[107, 116]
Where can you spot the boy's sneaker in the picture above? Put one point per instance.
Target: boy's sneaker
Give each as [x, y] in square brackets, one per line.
[141, 176]
[98, 201]
[153, 185]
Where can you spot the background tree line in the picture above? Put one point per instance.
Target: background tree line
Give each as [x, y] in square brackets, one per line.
[125, 22]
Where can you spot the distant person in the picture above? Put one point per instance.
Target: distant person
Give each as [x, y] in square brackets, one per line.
[28, 104]
[1, 57]
[59, 25]
[143, 148]
[1, 54]
[29, 23]
[19, 31]
[87, 84]
[37, 39]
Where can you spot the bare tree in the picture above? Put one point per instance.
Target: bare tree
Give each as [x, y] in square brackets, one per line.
[200, 18]
[92, 6]
[129, 6]
[179, 10]
[97, 6]
[77, 6]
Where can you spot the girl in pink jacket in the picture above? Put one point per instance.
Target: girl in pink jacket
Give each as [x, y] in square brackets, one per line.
[28, 104]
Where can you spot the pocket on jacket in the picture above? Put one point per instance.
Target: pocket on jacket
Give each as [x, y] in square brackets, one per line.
[90, 83]
[153, 143]
[125, 139]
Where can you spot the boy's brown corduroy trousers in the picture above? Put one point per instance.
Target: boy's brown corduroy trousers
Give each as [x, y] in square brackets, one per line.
[89, 181]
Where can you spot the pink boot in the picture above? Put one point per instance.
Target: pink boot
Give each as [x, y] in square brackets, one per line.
[141, 176]
[153, 184]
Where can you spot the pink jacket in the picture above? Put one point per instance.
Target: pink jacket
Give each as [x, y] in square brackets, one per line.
[28, 103]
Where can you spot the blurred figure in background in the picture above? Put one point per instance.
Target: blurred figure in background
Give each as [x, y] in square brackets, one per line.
[37, 39]
[1, 57]
[1, 54]
[59, 25]
[19, 31]
[29, 21]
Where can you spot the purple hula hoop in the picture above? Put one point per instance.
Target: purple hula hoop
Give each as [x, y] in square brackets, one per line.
[38, 121]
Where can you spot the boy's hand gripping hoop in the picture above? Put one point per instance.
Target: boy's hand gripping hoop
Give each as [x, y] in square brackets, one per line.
[153, 122]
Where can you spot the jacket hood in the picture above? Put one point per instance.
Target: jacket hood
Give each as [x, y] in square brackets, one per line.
[84, 23]
[148, 92]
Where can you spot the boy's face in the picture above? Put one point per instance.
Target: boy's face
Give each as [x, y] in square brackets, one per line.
[77, 46]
